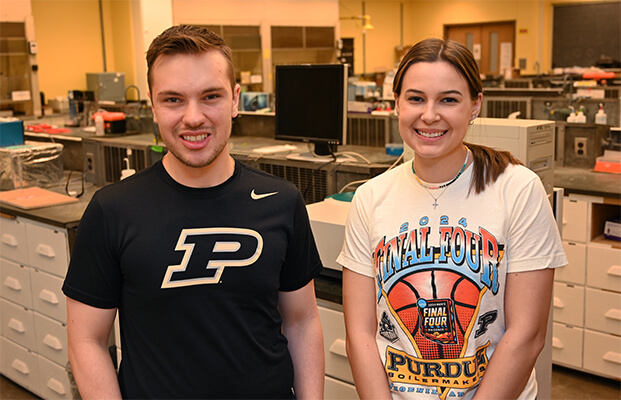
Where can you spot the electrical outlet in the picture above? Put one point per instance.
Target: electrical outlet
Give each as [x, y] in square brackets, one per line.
[580, 146]
[90, 163]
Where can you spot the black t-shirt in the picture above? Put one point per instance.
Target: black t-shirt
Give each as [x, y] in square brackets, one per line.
[195, 274]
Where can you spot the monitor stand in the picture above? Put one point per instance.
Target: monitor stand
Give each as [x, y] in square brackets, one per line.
[324, 153]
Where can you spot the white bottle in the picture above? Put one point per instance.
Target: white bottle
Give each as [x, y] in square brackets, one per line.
[601, 117]
[99, 125]
[572, 116]
[580, 118]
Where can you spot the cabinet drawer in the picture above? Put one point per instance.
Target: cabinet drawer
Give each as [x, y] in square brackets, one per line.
[575, 214]
[568, 303]
[15, 283]
[54, 380]
[47, 295]
[602, 353]
[333, 324]
[51, 339]
[603, 311]
[13, 243]
[567, 345]
[18, 324]
[48, 249]
[604, 267]
[338, 390]
[575, 271]
[19, 364]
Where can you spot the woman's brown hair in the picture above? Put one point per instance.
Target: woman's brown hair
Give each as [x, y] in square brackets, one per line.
[488, 163]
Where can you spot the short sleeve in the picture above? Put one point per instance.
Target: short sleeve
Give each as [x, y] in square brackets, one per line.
[93, 277]
[356, 254]
[533, 236]
[302, 262]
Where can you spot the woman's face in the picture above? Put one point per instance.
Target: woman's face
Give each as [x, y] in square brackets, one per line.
[434, 110]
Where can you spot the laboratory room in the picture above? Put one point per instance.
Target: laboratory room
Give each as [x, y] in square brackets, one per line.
[357, 112]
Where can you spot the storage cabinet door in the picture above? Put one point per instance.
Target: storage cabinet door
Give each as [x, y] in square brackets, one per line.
[339, 390]
[19, 364]
[604, 267]
[602, 353]
[603, 311]
[51, 339]
[575, 271]
[48, 298]
[48, 249]
[13, 242]
[18, 324]
[567, 345]
[337, 364]
[54, 381]
[15, 283]
[568, 303]
[575, 220]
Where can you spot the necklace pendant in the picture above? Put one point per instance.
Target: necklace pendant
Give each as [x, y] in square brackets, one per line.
[435, 203]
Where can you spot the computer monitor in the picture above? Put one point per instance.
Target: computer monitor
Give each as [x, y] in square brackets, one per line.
[311, 105]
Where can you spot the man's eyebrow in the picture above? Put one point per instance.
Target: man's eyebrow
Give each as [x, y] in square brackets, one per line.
[173, 92]
[443, 93]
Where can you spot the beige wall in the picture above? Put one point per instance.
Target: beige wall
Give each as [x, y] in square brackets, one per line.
[69, 35]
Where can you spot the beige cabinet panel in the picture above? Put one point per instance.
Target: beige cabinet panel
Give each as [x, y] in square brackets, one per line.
[568, 304]
[602, 353]
[567, 345]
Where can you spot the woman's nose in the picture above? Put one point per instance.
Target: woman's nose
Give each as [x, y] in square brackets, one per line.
[430, 114]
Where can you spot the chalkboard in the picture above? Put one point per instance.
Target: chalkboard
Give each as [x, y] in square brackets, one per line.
[583, 32]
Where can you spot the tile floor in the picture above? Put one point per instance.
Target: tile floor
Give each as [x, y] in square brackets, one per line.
[567, 384]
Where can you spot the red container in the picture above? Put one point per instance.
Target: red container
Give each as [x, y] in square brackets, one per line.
[114, 122]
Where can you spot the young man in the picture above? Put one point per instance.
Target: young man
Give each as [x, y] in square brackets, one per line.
[209, 263]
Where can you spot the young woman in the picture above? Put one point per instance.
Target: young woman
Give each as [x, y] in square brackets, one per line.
[449, 257]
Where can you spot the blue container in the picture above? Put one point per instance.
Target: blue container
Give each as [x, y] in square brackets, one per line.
[11, 133]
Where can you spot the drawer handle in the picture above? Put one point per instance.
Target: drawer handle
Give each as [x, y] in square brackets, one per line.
[48, 296]
[53, 342]
[558, 303]
[613, 357]
[56, 386]
[12, 283]
[9, 240]
[16, 325]
[45, 250]
[613, 314]
[338, 348]
[615, 270]
[557, 344]
[20, 366]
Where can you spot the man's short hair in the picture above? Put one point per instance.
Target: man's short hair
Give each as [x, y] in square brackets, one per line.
[188, 39]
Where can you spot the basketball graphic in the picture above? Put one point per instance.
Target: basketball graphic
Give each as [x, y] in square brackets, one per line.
[436, 307]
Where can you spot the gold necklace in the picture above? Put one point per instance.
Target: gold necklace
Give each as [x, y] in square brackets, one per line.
[446, 185]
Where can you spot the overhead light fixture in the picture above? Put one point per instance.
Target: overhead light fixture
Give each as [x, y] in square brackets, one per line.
[366, 20]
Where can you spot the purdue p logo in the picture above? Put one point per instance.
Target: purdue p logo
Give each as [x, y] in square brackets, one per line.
[208, 251]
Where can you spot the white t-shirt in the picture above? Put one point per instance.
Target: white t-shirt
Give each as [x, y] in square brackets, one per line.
[441, 271]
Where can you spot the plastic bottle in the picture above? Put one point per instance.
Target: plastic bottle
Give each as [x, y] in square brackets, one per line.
[99, 125]
[601, 117]
[580, 117]
[572, 115]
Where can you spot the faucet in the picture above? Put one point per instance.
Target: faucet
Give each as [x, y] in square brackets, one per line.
[137, 91]
[571, 86]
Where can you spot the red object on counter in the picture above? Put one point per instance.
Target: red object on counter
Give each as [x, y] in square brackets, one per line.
[598, 75]
[110, 115]
[46, 128]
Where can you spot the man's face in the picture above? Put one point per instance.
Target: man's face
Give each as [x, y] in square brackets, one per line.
[193, 105]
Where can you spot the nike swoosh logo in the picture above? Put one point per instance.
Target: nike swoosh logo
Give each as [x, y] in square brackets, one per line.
[261, 196]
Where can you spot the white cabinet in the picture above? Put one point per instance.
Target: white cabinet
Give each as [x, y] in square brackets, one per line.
[587, 292]
[339, 382]
[33, 261]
